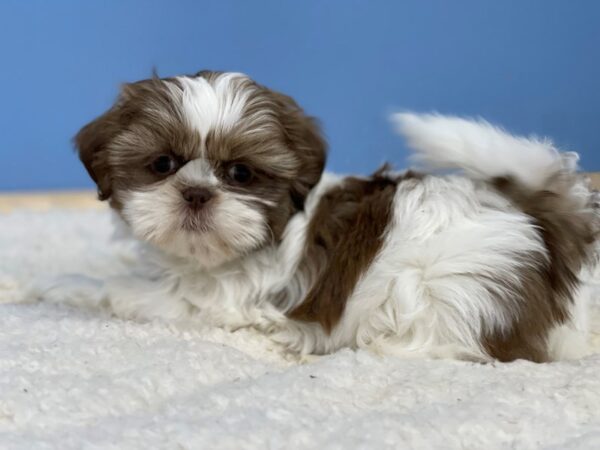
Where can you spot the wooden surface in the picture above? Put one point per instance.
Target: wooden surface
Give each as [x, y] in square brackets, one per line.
[595, 179]
[48, 200]
[86, 199]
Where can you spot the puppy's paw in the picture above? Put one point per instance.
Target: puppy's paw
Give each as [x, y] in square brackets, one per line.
[73, 290]
[10, 290]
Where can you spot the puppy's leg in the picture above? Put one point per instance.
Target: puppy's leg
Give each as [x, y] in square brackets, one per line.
[144, 299]
[127, 297]
[80, 291]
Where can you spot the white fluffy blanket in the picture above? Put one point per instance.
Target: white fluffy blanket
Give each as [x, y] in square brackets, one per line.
[76, 379]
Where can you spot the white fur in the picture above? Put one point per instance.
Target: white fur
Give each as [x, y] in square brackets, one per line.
[430, 291]
[197, 173]
[231, 227]
[481, 150]
[213, 105]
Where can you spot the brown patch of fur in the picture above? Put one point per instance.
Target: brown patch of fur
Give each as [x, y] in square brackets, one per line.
[345, 234]
[147, 122]
[91, 142]
[288, 156]
[547, 287]
[302, 133]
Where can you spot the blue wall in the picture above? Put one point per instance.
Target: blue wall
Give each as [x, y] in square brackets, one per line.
[533, 66]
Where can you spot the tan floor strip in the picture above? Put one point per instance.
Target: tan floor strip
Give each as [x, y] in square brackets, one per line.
[47, 200]
[595, 179]
[86, 199]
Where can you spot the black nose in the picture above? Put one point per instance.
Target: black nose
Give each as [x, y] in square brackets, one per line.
[197, 197]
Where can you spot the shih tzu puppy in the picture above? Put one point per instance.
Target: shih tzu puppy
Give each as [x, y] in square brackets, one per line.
[220, 180]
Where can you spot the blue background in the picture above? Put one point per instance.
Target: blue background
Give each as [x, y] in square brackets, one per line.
[532, 66]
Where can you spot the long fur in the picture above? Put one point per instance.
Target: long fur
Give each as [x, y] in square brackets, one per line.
[446, 275]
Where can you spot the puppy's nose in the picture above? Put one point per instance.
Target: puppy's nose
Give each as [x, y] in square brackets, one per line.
[197, 197]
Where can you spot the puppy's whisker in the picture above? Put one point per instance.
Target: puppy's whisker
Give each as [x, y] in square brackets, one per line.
[255, 199]
[271, 232]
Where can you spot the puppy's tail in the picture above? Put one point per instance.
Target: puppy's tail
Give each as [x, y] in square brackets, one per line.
[531, 172]
[481, 150]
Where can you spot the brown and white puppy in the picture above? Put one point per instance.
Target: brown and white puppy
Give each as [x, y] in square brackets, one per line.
[219, 178]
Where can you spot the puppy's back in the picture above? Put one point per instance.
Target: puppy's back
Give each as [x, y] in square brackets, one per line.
[541, 182]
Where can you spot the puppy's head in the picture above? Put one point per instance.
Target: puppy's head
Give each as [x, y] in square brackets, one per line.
[209, 167]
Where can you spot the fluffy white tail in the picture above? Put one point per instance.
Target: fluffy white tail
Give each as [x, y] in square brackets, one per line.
[481, 150]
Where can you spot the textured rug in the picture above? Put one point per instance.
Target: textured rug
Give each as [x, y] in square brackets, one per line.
[75, 379]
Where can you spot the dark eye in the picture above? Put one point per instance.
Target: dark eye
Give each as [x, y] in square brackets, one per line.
[164, 165]
[240, 173]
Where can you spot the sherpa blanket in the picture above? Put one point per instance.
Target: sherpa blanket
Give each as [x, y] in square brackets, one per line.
[78, 379]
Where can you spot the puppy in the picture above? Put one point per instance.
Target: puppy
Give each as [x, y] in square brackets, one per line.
[220, 181]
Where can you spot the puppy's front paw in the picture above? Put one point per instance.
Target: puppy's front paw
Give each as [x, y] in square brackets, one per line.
[73, 290]
[10, 290]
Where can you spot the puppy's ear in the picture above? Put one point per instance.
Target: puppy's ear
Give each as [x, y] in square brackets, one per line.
[91, 143]
[303, 134]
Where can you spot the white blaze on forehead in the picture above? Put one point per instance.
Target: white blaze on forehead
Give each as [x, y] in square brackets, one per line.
[198, 173]
[216, 104]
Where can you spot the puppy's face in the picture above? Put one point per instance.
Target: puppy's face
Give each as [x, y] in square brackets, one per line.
[209, 167]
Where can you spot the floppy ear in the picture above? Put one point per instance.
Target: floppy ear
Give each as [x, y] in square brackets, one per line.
[91, 143]
[303, 134]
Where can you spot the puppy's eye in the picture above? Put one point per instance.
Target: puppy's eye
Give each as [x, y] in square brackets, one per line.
[240, 174]
[164, 165]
